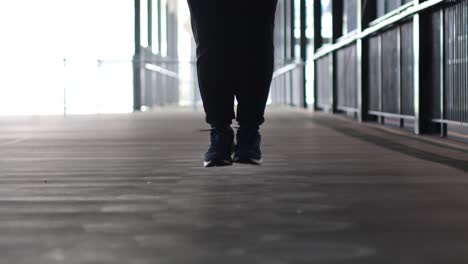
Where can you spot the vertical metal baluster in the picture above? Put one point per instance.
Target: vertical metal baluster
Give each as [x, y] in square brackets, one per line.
[382, 119]
[453, 79]
[465, 64]
[416, 75]
[462, 56]
[358, 73]
[446, 33]
[451, 55]
[457, 64]
[399, 73]
[457, 59]
[456, 56]
[449, 63]
[137, 60]
[455, 67]
[453, 62]
[456, 94]
[443, 129]
[465, 58]
[460, 60]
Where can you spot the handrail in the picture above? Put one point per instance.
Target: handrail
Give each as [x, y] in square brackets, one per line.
[372, 29]
[287, 68]
[151, 65]
[391, 14]
[277, 73]
[161, 70]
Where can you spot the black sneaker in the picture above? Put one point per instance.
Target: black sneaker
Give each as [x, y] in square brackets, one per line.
[221, 148]
[248, 147]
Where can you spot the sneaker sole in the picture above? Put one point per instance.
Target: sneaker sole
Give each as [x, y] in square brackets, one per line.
[217, 163]
[249, 161]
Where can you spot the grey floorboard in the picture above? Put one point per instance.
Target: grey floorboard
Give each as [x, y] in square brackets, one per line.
[131, 189]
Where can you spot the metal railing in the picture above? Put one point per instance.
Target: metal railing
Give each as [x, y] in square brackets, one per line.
[287, 85]
[410, 64]
[161, 81]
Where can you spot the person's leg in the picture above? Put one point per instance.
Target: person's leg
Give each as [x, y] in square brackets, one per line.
[211, 20]
[257, 69]
[210, 24]
[256, 76]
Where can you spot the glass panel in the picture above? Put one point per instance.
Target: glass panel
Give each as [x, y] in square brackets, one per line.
[155, 28]
[144, 22]
[386, 6]
[381, 10]
[349, 16]
[164, 28]
[309, 69]
[188, 90]
[297, 19]
[327, 21]
[392, 5]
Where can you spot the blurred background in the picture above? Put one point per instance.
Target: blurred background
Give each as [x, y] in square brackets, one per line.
[78, 57]
[367, 59]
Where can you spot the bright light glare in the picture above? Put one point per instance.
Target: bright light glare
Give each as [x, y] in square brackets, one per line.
[50, 58]
[188, 87]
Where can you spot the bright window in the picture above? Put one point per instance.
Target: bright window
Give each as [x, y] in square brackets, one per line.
[66, 55]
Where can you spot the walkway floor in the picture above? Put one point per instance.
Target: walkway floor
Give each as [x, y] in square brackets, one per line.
[131, 189]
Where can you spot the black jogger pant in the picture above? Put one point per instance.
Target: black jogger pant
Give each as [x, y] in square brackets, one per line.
[234, 57]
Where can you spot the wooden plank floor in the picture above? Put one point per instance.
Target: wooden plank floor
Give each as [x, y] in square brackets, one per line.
[131, 189]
